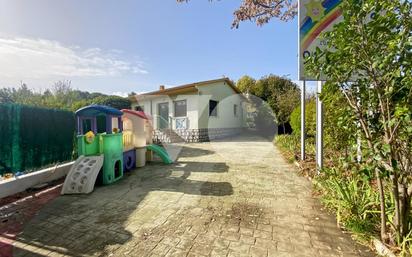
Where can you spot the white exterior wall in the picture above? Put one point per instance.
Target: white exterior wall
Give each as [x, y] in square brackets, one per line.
[198, 107]
[227, 98]
[151, 107]
[192, 110]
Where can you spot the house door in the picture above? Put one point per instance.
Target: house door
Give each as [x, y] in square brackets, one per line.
[163, 115]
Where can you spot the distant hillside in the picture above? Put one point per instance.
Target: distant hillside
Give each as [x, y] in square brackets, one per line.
[61, 96]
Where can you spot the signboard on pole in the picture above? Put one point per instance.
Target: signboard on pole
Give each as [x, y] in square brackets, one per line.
[315, 17]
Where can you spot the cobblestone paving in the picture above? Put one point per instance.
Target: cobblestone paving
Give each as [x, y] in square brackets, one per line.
[232, 198]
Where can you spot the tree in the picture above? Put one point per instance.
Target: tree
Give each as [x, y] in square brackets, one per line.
[310, 118]
[113, 101]
[371, 65]
[246, 84]
[60, 96]
[286, 102]
[262, 11]
[280, 93]
[6, 95]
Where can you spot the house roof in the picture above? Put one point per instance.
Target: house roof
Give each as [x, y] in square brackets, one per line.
[95, 110]
[139, 114]
[187, 88]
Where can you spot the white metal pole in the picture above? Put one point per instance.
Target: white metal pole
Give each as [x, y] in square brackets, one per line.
[319, 128]
[302, 121]
[358, 139]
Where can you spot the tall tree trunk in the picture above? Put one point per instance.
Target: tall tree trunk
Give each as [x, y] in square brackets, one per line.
[397, 219]
[404, 207]
[382, 205]
[395, 191]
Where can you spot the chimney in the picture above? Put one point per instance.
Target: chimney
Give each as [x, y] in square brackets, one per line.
[161, 87]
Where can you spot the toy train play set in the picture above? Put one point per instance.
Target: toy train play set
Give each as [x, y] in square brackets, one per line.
[109, 142]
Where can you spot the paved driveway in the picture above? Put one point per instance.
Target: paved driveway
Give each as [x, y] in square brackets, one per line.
[232, 198]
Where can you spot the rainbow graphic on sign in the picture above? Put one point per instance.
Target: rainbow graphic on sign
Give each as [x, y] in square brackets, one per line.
[315, 16]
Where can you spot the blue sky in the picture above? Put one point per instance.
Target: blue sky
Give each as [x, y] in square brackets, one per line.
[116, 46]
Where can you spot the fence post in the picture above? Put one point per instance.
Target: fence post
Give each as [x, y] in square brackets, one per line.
[302, 121]
[319, 128]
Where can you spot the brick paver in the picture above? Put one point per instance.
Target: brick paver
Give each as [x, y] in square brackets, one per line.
[232, 198]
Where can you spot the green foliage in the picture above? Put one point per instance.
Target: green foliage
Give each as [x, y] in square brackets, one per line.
[406, 245]
[340, 129]
[113, 101]
[310, 118]
[339, 123]
[352, 197]
[291, 145]
[5, 96]
[288, 142]
[61, 96]
[280, 93]
[370, 66]
[246, 84]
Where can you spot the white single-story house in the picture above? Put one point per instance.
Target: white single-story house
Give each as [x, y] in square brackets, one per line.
[194, 112]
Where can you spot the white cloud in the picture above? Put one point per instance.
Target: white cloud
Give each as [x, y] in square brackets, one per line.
[27, 58]
[125, 94]
[122, 94]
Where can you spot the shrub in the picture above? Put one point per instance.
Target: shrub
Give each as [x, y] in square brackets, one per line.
[352, 197]
[310, 118]
[289, 145]
[288, 142]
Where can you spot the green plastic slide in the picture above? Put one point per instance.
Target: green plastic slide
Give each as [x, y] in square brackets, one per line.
[161, 152]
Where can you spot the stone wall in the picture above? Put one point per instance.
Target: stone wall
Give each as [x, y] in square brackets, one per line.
[194, 135]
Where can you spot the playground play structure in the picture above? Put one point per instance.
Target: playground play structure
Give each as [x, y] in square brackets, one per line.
[109, 142]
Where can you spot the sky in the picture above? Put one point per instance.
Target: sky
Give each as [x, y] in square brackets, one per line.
[117, 47]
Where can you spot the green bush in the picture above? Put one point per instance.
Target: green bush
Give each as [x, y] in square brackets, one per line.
[289, 143]
[339, 122]
[310, 118]
[339, 125]
[352, 197]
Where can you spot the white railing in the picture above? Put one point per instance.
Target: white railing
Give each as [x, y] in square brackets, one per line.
[181, 123]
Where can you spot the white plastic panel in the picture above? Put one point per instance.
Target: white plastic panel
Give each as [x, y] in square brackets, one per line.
[83, 174]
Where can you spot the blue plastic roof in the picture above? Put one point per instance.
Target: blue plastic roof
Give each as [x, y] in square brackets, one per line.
[96, 110]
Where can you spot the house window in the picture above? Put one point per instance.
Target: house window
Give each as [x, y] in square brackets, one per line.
[139, 108]
[213, 108]
[180, 108]
[235, 110]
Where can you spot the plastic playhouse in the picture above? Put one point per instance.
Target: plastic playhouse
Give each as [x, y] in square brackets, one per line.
[99, 143]
[109, 142]
[134, 139]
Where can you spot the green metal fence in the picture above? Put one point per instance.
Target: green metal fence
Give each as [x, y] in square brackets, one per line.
[32, 137]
